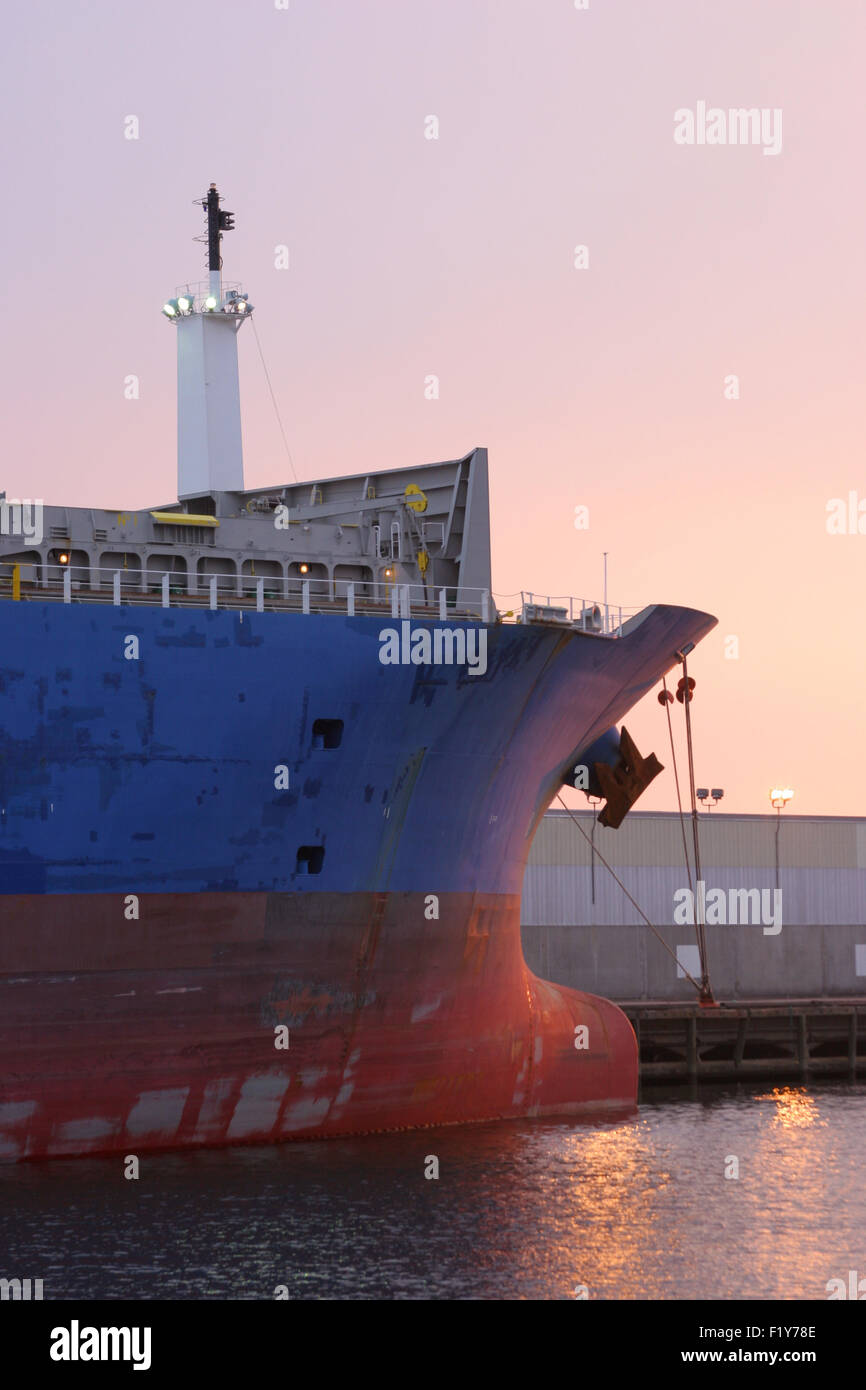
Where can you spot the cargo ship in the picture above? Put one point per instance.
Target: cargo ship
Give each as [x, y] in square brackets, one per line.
[271, 761]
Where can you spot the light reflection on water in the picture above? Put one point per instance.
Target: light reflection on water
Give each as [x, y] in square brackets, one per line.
[640, 1208]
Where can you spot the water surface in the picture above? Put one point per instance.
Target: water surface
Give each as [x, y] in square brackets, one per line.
[636, 1209]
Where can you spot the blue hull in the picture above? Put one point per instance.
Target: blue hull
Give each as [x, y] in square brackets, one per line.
[160, 774]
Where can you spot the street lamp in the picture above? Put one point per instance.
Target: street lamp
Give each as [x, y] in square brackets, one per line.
[779, 796]
[593, 801]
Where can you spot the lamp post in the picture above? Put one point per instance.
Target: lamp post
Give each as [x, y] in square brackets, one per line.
[780, 796]
[593, 801]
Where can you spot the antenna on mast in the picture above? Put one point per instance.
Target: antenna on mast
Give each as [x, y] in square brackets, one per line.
[217, 223]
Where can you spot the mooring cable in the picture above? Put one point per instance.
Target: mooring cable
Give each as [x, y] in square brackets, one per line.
[274, 399]
[634, 903]
[685, 688]
[666, 699]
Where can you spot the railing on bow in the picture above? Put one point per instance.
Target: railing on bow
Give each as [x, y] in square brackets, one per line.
[587, 614]
[295, 593]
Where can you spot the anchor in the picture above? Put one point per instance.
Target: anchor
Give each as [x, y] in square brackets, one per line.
[617, 772]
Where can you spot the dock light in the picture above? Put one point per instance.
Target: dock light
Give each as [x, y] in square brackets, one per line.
[780, 796]
[717, 793]
[709, 798]
[305, 569]
[702, 793]
[186, 303]
[170, 308]
[388, 573]
[63, 558]
[211, 303]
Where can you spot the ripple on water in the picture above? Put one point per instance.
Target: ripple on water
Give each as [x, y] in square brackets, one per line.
[639, 1208]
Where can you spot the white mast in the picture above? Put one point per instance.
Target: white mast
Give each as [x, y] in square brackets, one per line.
[209, 444]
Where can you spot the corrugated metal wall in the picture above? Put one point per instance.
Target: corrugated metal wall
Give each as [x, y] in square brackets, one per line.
[822, 866]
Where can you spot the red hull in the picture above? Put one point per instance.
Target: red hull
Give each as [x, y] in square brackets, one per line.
[395, 1021]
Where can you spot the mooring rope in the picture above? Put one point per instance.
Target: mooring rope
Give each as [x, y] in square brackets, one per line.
[686, 686]
[667, 700]
[633, 902]
[274, 400]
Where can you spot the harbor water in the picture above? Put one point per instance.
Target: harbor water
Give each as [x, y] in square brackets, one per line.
[737, 1192]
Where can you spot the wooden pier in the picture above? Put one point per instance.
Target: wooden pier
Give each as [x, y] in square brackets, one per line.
[803, 1038]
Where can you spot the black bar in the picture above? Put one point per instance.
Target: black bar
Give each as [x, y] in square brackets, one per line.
[227, 1342]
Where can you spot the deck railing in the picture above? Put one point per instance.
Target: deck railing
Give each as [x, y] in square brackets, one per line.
[119, 587]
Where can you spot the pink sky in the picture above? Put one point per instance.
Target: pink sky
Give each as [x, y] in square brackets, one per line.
[408, 257]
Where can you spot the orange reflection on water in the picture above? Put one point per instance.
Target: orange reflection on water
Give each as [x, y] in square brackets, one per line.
[786, 1177]
[587, 1213]
[795, 1108]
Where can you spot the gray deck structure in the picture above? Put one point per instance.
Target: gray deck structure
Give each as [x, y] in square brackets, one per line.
[426, 527]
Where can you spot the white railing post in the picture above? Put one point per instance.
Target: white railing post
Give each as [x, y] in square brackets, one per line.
[485, 605]
[67, 585]
[350, 600]
[405, 603]
[305, 596]
[165, 591]
[260, 596]
[213, 591]
[115, 585]
[443, 613]
[394, 601]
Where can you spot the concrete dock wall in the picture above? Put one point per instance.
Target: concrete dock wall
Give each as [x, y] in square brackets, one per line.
[627, 962]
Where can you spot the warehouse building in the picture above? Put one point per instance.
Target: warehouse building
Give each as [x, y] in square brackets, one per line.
[784, 897]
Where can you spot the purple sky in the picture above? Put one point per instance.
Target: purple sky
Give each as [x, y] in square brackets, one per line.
[602, 387]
